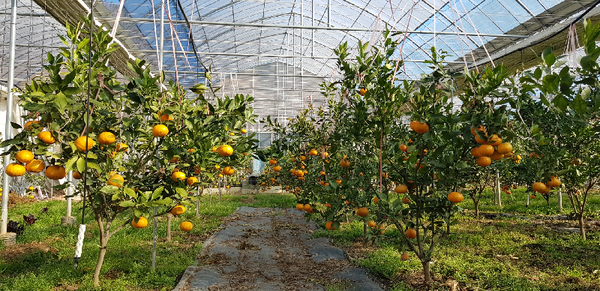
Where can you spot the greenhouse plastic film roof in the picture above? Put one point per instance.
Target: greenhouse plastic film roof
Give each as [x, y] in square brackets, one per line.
[276, 49]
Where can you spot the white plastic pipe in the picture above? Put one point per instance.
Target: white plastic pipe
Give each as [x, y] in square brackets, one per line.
[9, 109]
[69, 193]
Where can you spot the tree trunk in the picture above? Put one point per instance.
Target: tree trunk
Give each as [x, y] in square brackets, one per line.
[426, 272]
[582, 226]
[103, 243]
[169, 219]
[476, 204]
[364, 233]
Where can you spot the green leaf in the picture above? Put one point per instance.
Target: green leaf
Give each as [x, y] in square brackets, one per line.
[109, 189]
[182, 192]
[81, 165]
[127, 203]
[157, 192]
[130, 192]
[61, 102]
[70, 163]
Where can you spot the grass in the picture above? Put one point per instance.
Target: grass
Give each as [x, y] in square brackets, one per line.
[516, 203]
[507, 254]
[46, 261]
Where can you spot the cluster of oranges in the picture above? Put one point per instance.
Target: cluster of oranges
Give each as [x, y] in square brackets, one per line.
[544, 188]
[506, 189]
[491, 148]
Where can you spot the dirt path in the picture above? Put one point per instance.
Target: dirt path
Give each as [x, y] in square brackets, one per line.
[271, 249]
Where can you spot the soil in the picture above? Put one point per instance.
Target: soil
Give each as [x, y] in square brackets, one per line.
[14, 252]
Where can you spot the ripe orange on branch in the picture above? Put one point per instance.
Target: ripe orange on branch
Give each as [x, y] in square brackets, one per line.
[56, 172]
[35, 166]
[46, 137]
[160, 130]
[225, 150]
[401, 189]
[329, 225]
[24, 156]
[505, 148]
[362, 212]
[419, 127]
[107, 138]
[141, 223]
[554, 182]
[486, 150]
[540, 187]
[178, 210]
[411, 233]
[15, 170]
[178, 176]
[186, 226]
[116, 180]
[484, 161]
[83, 143]
[455, 197]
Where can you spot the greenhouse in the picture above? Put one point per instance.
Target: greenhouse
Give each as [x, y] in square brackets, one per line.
[300, 145]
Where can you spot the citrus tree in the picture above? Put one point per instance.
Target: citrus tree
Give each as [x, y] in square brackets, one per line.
[561, 117]
[115, 150]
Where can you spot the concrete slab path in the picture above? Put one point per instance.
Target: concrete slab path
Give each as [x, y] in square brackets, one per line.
[271, 249]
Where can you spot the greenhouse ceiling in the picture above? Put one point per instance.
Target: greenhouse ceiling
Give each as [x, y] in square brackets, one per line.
[232, 37]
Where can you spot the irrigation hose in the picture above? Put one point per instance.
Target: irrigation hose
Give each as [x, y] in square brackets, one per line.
[81, 235]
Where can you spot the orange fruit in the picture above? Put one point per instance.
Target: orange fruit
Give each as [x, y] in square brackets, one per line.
[225, 150]
[15, 170]
[113, 180]
[329, 225]
[186, 226]
[178, 176]
[481, 128]
[307, 208]
[191, 181]
[80, 143]
[300, 206]
[371, 224]
[29, 124]
[313, 152]
[404, 257]
[160, 130]
[419, 127]
[404, 148]
[505, 148]
[178, 210]
[401, 189]
[497, 156]
[327, 205]
[406, 200]
[303, 158]
[532, 196]
[24, 156]
[339, 182]
[455, 197]
[362, 212]
[46, 137]
[165, 117]
[539, 187]
[554, 182]
[107, 138]
[76, 175]
[345, 163]
[272, 161]
[479, 140]
[277, 168]
[243, 130]
[486, 150]
[376, 200]
[122, 147]
[484, 161]
[35, 166]
[55, 172]
[362, 91]
[475, 152]
[494, 140]
[141, 223]
[411, 233]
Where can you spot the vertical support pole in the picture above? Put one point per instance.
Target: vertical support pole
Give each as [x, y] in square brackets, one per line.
[434, 24]
[328, 13]
[527, 205]
[312, 54]
[498, 192]
[560, 204]
[160, 68]
[9, 109]
[69, 193]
